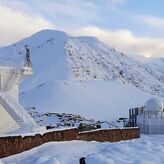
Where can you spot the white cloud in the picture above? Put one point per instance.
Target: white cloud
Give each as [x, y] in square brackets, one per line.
[126, 41]
[15, 25]
[74, 12]
[151, 20]
[118, 2]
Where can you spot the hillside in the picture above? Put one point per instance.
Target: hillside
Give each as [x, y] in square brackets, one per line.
[81, 75]
[158, 66]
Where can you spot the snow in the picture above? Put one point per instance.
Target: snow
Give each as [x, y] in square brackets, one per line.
[81, 75]
[91, 99]
[70, 68]
[154, 104]
[147, 149]
[42, 132]
[97, 61]
[157, 65]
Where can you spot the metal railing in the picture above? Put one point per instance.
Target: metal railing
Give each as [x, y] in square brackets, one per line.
[151, 114]
[14, 76]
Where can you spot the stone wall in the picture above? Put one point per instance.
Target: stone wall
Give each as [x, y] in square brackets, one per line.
[112, 135]
[16, 144]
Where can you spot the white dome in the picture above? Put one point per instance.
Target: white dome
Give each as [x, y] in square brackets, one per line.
[154, 104]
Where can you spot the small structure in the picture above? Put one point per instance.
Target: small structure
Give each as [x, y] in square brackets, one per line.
[12, 115]
[150, 118]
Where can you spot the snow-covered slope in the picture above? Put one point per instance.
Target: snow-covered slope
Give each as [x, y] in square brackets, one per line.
[81, 75]
[90, 60]
[158, 66]
[91, 99]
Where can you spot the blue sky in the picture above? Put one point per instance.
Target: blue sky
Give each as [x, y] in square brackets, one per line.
[135, 27]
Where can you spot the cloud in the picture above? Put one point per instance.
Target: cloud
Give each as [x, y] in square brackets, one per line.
[125, 41]
[20, 19]
[152, 20]
[15, 25]
[118, 2]
[70, 13]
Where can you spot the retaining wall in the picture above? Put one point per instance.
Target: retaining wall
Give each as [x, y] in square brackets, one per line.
[112, 135]
[16, 144]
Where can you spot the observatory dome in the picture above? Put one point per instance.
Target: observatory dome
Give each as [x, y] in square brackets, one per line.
[154, 104]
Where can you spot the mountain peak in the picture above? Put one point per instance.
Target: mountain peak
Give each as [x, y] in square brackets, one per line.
[50, 33]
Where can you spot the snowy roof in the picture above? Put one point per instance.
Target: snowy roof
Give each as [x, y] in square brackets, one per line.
[154, 104]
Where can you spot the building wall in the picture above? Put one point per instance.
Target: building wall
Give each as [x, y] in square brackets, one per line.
[7, 122]
[17, 144]
[5, 75]
[151, 123]
[14, 92]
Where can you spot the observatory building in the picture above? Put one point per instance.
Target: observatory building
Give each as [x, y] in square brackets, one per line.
[12, 115]
[150, 118]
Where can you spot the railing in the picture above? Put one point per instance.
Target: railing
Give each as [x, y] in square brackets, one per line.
[134, 112]
[16, 74]
[151, 114]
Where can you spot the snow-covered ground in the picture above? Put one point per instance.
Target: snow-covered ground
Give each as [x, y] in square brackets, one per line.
[146, 150]
[64, 120]
[91, 99]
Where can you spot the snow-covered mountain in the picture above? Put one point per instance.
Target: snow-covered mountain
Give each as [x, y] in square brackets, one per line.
[81, 75]
[158, 66]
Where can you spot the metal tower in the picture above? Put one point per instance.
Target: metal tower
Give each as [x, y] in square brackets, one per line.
[27, 62]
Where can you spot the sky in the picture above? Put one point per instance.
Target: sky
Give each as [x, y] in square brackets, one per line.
[135, 27]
